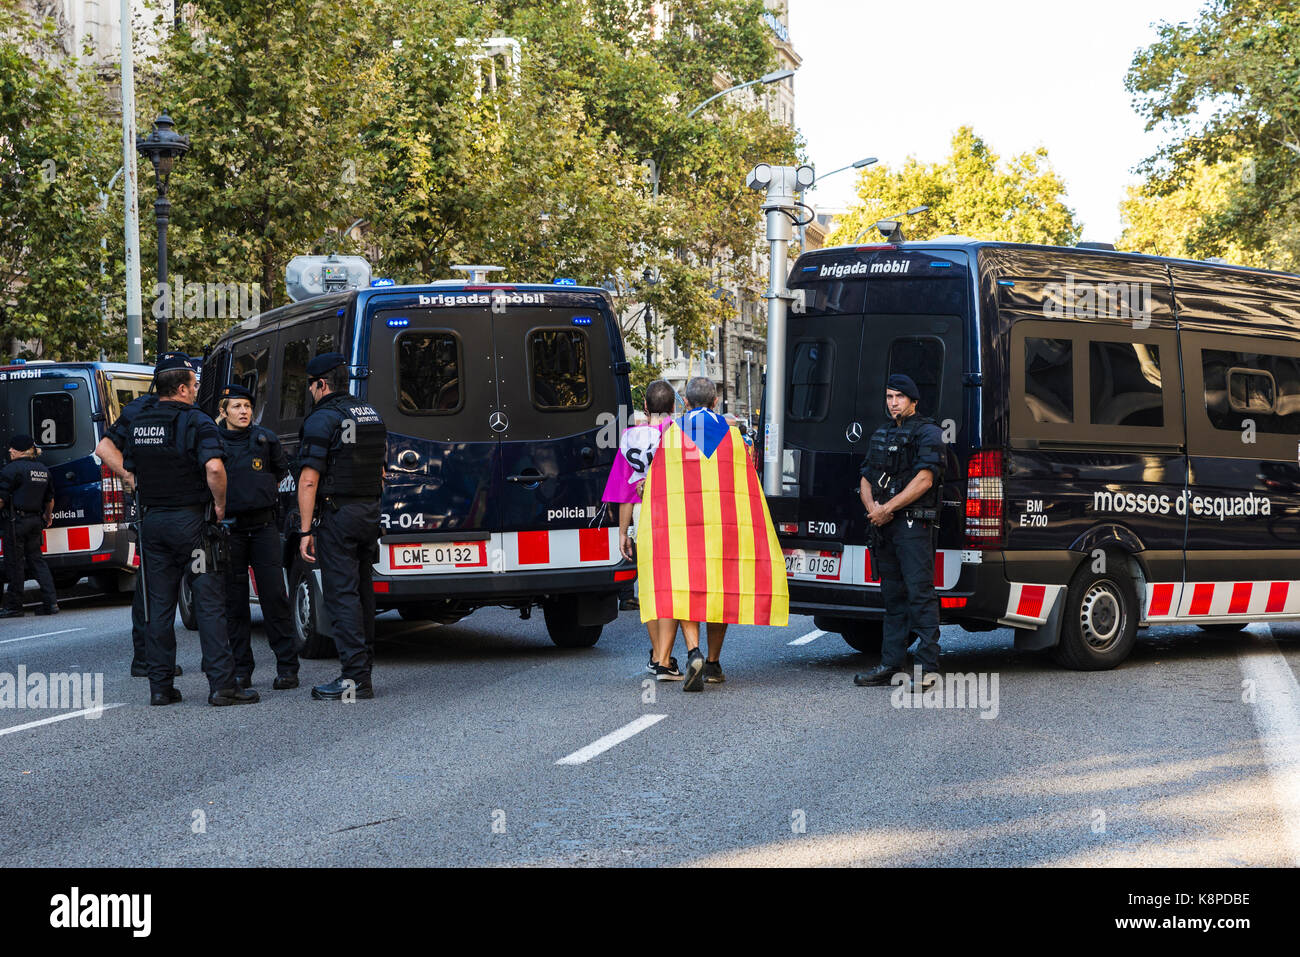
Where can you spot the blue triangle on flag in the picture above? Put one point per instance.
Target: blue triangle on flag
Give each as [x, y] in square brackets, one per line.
[705, 429]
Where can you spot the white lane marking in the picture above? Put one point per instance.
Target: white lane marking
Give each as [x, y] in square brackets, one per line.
[48, 634]
[601, 745]
[1276, 712]
[811, 636]
[58, 717]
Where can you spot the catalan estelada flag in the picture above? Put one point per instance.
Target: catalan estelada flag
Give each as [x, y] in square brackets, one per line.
[706, 549]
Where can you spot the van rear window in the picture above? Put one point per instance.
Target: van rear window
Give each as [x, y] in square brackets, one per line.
[53, 419]
[561, 378]
[428, 373]
[887, 297]
[810, 380]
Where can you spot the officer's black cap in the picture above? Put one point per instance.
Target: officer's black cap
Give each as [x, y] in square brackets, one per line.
[173, 360]
[904, 384]
[324, 363]
[21, 443]
[235, 391]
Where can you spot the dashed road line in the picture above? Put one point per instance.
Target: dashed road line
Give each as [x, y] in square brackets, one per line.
[811, 636]
[58, 717]
[48, 634]
[1276, 710]
[601, 745]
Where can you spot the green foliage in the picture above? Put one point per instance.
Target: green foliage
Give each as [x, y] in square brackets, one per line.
[971, 193]
[1227, 91]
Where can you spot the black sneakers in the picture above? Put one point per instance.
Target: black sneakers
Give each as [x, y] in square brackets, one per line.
[694, 671]
[713, 672]
[669, 673]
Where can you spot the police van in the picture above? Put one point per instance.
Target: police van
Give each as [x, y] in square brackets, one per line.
[502, 405]
[67, 407]
[1122, 437]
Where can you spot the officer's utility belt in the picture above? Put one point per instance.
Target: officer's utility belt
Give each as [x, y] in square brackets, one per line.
[196, 509]
[23, 513]
[255, 519]
[336, 502]
[919, 514]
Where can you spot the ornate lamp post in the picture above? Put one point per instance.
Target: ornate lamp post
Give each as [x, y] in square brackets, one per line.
[163, 146]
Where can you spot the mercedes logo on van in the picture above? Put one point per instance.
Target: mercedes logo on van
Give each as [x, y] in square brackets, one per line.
[854, 432]
[498, 422]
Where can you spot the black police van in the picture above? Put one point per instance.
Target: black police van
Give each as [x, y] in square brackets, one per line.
[1122, 435]
[66, 407]
[502, 405]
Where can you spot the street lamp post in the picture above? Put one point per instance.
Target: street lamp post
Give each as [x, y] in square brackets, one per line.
[163, 146]
[776, 76]
[859, 164]
[749, 387]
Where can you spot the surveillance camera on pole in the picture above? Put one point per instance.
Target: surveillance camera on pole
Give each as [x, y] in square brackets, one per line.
[780, 183]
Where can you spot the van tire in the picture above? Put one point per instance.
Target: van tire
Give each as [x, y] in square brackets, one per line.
[308, 642]
[185, 604]
[859, 634]
[561, 615]
[1099, 620]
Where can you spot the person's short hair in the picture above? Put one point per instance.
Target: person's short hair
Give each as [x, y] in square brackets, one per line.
[336, 380]
[224, 404]
[169, 382]
[659, 397]
[700, 392]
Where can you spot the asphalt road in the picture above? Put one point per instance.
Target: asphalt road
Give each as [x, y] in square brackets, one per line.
[1184, 756]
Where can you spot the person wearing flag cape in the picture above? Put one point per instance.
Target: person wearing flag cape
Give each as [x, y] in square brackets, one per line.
[707, 551]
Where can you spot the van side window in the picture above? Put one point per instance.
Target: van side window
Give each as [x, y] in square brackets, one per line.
[428, 372]
[1241, 386]
[560, 373]
[250, 369]
[53, 419]
[1049, 379]
[921, 358]
[293, 379]
[1124, 384]
[810, 380]
[324, 344]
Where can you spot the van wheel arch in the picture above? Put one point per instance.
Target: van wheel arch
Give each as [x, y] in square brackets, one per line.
[1106, 537]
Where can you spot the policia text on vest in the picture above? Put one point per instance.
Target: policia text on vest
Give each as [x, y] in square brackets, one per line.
[176, 455]
[341, 454]
[901, 481]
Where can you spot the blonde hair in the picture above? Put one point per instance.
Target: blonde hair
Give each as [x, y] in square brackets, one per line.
[224, 403]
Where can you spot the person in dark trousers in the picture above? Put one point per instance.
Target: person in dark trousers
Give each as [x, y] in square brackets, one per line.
[901, 479]
[26, 507]
[342, 448]
[109, 450]
[174, 453]
[255, 466]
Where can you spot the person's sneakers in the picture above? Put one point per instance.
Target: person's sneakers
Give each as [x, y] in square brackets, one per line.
[713, 672]
[48, 610]
[228, 696]
[651, 666]
[669, 673]
[170, 696]
[879, 675]
[284, 682]
[694, 671]
[336, 689]
[244, 681]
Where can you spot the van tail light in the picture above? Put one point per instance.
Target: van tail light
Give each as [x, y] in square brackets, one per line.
[111, 490]
[984, 500]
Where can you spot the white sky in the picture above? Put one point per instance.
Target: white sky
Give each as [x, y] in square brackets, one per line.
[1023, 73]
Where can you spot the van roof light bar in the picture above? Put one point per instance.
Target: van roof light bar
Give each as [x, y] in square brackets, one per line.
[478, 274]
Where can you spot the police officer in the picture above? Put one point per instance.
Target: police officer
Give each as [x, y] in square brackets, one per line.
[175, 453]
[26, 507]
[255, 465]
[341, 453]
[109, 450]
[902, 476]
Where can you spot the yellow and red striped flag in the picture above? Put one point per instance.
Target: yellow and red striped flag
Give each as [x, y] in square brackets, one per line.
[707, 550]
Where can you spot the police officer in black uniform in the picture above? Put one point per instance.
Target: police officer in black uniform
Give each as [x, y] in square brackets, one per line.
[341, 453]
[902, 476]
[110, 450]
[255, 465]
[175, 453]
[26, 507]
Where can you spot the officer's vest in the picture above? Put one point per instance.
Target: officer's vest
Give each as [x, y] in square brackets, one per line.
[891, 459]
[30, 496]
[167, 475]
[355, 468]
[250, 482]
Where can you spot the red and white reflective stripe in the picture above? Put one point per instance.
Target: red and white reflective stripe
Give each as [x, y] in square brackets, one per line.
[1029, 604]
[561, 548]
[69, 539]
[1199, 601]
[855, 568]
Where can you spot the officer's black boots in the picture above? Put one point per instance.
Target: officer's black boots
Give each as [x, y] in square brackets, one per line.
[11, 613]
[170, 696]
[284, 682]
[340, 687]
[48, 610]
[880, 675]
[228, 696]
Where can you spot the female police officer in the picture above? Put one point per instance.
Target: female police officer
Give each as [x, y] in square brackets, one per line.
[26, 507]
[255, 465]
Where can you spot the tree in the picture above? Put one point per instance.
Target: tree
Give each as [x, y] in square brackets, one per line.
[1226, 89]
[56, 154]
[971, 193]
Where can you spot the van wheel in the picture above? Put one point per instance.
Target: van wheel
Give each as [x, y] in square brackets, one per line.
[308, 642]
[1224, 627]
[1099, 626]
[185, 604]
[561, 616]
[863, 636]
